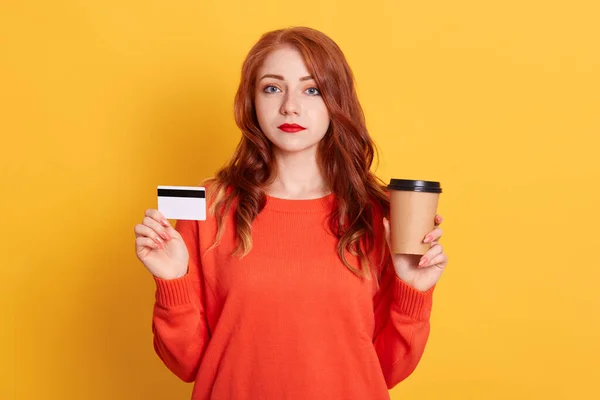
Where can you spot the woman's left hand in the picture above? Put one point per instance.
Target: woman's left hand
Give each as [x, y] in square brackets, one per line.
[421, 272]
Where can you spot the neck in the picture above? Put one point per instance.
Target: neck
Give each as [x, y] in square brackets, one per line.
[297, 176]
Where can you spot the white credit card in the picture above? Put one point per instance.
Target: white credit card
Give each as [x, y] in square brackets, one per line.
[182, 202]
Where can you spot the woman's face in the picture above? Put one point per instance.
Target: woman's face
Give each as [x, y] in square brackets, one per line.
[287, 94]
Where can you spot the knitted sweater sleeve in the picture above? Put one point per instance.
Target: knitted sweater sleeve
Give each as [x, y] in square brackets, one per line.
[401, 326]
[402, 320]
[179, 325]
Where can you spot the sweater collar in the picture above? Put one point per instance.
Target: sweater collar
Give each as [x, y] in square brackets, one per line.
[300, 205]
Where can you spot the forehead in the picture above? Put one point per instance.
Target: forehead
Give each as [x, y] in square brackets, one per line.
[286, 61]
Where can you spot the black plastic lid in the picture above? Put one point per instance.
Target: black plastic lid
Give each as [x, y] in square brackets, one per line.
[415, 185]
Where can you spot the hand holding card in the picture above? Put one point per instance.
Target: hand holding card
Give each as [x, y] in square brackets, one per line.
[160, 247]
[182, 202]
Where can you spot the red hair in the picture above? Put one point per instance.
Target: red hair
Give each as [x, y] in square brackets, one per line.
[345, 153]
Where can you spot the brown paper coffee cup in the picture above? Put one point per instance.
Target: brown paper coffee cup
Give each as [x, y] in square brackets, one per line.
[413, 206]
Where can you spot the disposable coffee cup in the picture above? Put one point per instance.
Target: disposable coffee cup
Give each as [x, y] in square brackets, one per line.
[413, 206]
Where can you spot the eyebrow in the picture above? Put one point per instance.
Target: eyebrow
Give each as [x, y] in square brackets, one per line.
[304, 78]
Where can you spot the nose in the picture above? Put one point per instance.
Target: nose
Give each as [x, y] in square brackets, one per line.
[290, 105]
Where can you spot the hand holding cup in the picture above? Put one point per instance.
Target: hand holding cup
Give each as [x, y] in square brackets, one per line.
[418, 258]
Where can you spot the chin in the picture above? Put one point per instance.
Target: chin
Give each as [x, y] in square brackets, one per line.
[292, 149]
[291, 145]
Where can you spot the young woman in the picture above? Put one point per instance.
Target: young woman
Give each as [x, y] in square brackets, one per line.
[288, 289]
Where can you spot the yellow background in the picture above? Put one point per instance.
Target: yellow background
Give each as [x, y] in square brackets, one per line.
[104, 100]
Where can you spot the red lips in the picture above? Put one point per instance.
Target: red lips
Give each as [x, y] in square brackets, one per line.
[291, 128]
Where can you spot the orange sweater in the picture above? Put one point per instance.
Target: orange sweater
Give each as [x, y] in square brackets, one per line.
[289, 320]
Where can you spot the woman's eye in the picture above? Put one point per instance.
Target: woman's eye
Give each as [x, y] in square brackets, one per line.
[313, 91]
[268, 88]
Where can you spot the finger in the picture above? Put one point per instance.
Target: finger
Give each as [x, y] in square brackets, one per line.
[145, 231]
[430, 255]
[435, 234]
[159, 229]
[144, 241]
[438, 261]
[386, 228]
[157, 216]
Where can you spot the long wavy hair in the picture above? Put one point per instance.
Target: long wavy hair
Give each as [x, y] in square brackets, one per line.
[344, 155]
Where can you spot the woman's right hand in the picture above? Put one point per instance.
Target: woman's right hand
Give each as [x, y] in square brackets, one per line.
[160, 247]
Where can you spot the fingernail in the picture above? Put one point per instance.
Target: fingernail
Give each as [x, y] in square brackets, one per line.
[158, 240]
[165, 222]
[427, 239]
[423, 261]
[164, 235]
